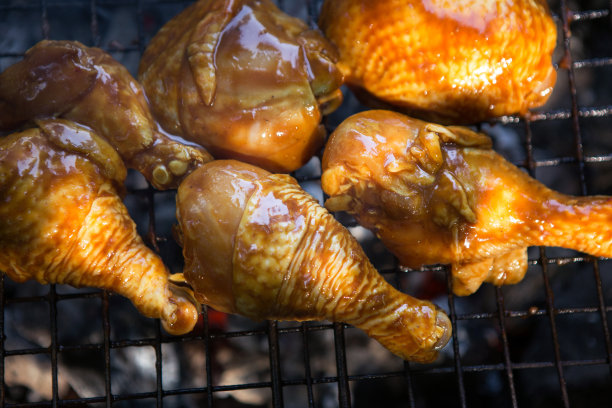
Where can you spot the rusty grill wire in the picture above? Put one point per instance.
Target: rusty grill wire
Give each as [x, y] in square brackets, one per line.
[544, 342]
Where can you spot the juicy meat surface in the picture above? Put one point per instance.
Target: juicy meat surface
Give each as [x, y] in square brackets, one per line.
[436, 194]
[62, 221]
[450, 61]
[86, 85]
[256, 244]
[244, 80]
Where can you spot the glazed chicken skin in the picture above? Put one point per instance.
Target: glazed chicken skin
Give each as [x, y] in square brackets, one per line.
[244, 80]
[437, 194]
[86, 85]
[62, 221]
[449, 61]
[256, 244]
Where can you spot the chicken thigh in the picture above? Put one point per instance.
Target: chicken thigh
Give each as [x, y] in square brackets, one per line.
[256, 244]
[244, 80]
[451, 61]
[437, 194]
[62, 221]
[86, 85]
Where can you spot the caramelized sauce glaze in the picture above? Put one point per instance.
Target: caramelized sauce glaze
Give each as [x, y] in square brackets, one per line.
[448, 61]
[437, 194]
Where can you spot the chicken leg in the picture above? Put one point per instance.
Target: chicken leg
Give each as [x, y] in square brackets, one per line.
[244, 80]
[86, 85]
[62, 221]
[450, 61]
[437, 194]
[256, 244]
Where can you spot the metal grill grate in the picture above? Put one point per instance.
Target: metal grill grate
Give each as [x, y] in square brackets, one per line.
[545, 342]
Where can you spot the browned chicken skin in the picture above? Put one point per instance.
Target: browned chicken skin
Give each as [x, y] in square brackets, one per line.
[86, 85]
[451, 61]
[244, 80]
[256, 244]
[62, 221]
[437, 194]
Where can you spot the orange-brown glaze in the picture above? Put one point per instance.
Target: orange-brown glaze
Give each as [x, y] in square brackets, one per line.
[437, 194]
[451, 61]
[256, 244]
[244, 80]
[86, 85]
[62, 221]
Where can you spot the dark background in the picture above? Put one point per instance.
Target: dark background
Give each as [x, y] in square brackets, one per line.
[542, 343]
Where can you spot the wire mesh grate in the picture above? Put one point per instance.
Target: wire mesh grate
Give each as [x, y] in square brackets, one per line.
[544, 342]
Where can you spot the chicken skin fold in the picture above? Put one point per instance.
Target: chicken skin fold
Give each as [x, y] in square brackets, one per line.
[62, 221]
[244, 80]
[256, 244]
[436, 194]
[86, 85]
[450, 61]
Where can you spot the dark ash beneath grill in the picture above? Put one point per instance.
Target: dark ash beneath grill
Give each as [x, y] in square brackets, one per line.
[545, 342]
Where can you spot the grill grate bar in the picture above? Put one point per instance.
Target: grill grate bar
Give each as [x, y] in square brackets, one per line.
[54, 346]
[558, 260]
[95, 35]
[43, 19]
[603, 313]
[344, 396]
[307, 370]
[107, 347]
[400, 283]
[533, 312]
[456, 354]
[506, 349]
[550, 308]
[557, 114]
[467, 369]
[409, 386]
[587, 15]
[592, 63]
[159, 393]
[275, 371]
[571, 160]
[208, 363]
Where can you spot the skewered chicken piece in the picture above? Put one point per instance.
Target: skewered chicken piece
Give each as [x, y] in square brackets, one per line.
[86, 85]
[437, 194]
[447, 61]
[62, 221]
[256, 244]
[244, 80]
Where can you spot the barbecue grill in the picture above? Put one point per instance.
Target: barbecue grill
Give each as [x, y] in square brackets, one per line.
[542, 343]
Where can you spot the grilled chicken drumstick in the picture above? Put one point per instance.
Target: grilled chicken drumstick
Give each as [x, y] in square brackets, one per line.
[451, 61]
[62, 221]
[256, 244]
[86, 85]
[437, 194]
[244, 80]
